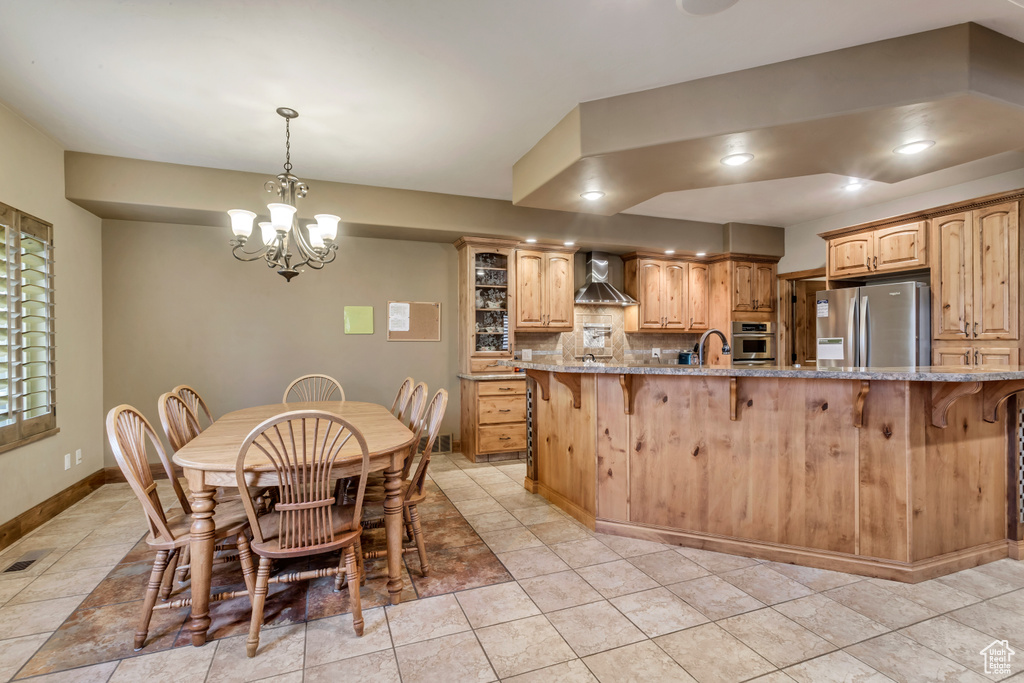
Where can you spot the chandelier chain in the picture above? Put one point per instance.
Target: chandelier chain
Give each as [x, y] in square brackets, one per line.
[287, 146]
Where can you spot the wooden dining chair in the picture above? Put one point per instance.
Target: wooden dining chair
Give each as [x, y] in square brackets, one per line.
[301, 447]
[309, 388]
[169, 534]
[195, 403]
[402, 399]
[180, 423]
[414, 410]
[413, 487]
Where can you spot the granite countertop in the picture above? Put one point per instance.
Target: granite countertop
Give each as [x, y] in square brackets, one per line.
[486, 378]
[919, 374]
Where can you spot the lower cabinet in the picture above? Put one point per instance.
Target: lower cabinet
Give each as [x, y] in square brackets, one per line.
[493, 417]
[978, 355]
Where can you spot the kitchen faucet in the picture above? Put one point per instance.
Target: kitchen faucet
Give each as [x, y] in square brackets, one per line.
[700, 345]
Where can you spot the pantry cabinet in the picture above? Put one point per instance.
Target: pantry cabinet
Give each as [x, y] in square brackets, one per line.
[975, 276]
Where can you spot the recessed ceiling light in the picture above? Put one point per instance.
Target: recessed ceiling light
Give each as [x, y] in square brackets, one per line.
[670, 251]
[592, 195]
[737, 159]
[914, 147]
[702, 253]
[531, 240]
[570, 244]
[853, 186]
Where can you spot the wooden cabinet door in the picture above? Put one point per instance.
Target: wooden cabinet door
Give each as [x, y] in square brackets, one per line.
[558, 289]
[952, 354]
[952, 276]
[764, 291]
[988, 356]
[650, 291]
[900, 247]
[996, 275]
[673, 299]
[698, 291]
[529, 289]
[850, 255]
[743, 286]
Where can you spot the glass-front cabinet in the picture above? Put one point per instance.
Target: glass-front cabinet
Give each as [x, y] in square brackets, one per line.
[486, 302]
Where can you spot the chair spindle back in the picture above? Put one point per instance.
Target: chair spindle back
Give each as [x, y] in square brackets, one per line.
[310, 388]
[127, 430]
[195, 403]
[179, 422]
[431, 426]
[302, 447]
[402, 399]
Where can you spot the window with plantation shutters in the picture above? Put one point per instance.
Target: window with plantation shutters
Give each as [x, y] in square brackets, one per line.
[27, 388]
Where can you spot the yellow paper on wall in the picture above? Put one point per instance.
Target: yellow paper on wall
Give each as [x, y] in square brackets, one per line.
[359, 320]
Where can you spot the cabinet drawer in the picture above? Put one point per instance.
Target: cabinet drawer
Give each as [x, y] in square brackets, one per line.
[514, 387]
[487, 365]
[494, 409]
[500, 438]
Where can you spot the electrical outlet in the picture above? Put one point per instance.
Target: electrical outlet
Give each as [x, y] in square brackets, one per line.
[67, 461]
[655, 353]
[78, 456]
[527, 354]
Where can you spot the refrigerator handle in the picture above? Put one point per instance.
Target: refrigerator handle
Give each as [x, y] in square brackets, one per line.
[851, 325]
[865, 321]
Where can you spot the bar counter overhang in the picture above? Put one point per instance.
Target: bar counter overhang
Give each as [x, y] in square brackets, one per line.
[897, 473]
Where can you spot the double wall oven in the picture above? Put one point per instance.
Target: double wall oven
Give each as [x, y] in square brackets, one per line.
[753, 343]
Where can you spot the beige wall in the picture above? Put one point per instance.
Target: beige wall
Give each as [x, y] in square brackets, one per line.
[32, 180]
[805, 250]
[180, 310]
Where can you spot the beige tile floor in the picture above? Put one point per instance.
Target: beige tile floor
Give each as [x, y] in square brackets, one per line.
[582, 607]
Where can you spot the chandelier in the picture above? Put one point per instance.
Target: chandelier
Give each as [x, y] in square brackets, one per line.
[314, 247]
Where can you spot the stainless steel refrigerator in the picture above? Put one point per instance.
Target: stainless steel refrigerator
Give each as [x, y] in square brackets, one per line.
[876, 326]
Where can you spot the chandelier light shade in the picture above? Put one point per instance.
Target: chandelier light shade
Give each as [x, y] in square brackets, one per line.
[286, 246]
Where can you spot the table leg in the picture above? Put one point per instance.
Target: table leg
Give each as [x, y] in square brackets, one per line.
[393, 522]
[202, 544]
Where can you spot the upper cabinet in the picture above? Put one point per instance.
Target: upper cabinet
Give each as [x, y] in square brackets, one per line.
[486, 299]
[753, 287]
[975, 278]
[544, 290]
[883, 250]
[673, 295]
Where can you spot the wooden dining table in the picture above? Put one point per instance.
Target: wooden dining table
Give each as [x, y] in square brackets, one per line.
[209, 462]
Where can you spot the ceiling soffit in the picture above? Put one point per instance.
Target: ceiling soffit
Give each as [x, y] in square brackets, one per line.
[839, 112]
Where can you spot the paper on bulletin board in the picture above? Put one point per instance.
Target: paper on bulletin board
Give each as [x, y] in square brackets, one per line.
[830, 348]
[358, 319]
[398, 317]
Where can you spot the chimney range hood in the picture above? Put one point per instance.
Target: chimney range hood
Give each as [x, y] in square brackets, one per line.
[598, 291]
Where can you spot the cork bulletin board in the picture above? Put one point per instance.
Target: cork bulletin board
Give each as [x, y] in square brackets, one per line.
[414, 321]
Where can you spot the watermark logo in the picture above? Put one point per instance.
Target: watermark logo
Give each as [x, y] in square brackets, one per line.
[997, 658]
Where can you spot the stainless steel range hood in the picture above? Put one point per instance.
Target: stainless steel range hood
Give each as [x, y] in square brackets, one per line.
[598, 291]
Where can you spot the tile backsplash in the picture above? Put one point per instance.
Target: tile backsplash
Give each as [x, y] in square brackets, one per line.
[624, 346]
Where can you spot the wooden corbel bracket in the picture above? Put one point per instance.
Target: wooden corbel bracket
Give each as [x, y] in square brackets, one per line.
[627, 393]
[995, 394]
[541, 377]
[945, 394]
[572, 380]
[733, 400]
[858, 403]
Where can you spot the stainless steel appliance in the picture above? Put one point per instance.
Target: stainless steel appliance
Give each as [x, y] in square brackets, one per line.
[877, 326]
[753, 343]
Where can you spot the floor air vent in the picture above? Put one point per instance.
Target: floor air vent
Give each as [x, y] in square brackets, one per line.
[443, 444]
[26, 560]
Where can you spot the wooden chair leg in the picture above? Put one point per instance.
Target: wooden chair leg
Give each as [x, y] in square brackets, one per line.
[245, 558]
[408, 522]
[259, 597]
[156, 578]
[352, 570]
[339, 578]
[167, 583]
[186, 557]
[359, 562]
[421, 547]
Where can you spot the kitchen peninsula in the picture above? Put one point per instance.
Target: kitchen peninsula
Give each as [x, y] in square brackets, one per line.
[894, 472]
